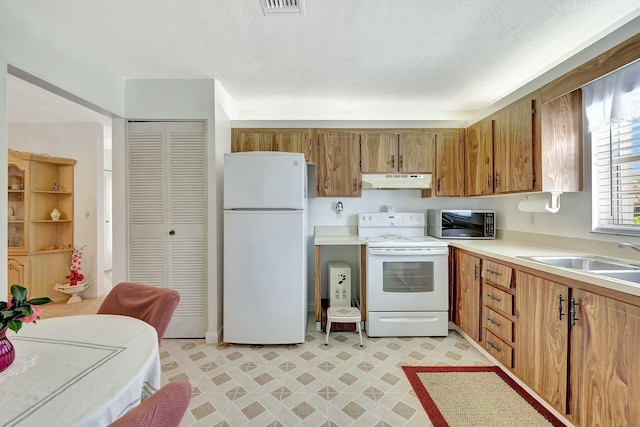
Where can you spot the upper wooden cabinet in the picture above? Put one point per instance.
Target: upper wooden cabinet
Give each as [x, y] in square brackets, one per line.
[478, 145]
[448, 179]
[338, 166]
[396, 152]
[286, 140]
[513, 147]
[560, 150]
[379, 152]
[519, 150]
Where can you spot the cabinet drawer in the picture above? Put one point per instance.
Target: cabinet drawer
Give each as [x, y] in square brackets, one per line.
[497, 299]
[498, 349]
[496, 274]
[498, 324]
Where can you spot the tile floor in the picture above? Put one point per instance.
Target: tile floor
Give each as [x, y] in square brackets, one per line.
[311, 384]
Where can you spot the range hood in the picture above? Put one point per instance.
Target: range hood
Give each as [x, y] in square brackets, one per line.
[396, 181]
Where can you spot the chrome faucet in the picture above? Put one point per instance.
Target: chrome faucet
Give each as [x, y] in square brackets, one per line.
[629, 245]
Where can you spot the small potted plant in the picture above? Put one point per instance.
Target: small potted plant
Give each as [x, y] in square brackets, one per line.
[14, 312]
[76, 266]
[75, 277]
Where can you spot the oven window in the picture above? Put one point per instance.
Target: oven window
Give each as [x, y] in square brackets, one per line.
[407, 276]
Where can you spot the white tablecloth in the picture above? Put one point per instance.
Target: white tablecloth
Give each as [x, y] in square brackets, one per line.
[79, 371]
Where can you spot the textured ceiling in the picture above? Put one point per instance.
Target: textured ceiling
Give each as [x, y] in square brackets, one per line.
[354, 59]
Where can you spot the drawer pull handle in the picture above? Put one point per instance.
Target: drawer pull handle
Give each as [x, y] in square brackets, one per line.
[494, 322]
[497, 273]
[493, 346]
[475, 272]
[494, 298]
[573, 311]
[560, 307]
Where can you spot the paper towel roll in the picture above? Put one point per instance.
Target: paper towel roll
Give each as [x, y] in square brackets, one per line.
[538, 206]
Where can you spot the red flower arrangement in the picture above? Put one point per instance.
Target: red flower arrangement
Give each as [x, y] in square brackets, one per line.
[76, 265]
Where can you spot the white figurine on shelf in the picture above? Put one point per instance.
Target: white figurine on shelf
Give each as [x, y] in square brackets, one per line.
[55, 214]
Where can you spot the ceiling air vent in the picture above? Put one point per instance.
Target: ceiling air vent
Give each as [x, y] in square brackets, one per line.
[282, 7]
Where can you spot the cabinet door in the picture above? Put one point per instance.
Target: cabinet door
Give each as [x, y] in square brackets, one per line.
[295, 141]
[449, 163]
[479, 158]
[513, 147]
[17, 207]
[605, 366]
[167, 216]
[468, 294]
[415, 152]
[338, 166]
[379, 152]
[252, 140]
[15, 272]
[561, 157]
[542, 337]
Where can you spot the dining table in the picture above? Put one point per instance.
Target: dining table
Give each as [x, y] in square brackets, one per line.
[85, 370]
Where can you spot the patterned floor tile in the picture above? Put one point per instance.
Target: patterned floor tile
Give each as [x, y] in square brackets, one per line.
[303, 409]
[309, 384]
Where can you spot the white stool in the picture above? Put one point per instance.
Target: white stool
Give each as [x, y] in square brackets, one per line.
[343, 315]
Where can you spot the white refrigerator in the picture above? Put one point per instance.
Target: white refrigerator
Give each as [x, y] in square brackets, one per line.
[265, 241]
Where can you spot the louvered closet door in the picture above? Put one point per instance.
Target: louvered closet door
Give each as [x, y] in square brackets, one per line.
[167, 216]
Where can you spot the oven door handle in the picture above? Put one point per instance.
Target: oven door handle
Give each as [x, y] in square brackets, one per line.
[407, 252]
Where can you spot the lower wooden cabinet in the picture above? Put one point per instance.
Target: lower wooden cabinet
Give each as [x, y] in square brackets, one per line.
[576, 349]
[39, 272]
[467, 304]
[541, 360]
[581, 354]
[16, 271]
[605, 362]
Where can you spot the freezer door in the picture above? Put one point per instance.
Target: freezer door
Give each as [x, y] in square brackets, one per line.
[265, 279]
[264, 180]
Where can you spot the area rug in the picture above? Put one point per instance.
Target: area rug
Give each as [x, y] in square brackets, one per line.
[465, 396]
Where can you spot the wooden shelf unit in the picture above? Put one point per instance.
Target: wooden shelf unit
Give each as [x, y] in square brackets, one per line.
[39, 248]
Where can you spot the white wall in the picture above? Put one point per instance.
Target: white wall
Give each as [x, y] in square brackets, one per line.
[224, 104]
[45, 59]
[84, 143]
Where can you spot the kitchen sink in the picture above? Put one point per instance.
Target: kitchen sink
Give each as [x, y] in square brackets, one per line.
[585, 263]
[629, 276]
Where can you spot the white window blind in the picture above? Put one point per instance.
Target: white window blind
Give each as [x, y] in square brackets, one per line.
[617, 175]
[612, 106]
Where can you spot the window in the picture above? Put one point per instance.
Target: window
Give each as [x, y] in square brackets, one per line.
[617, 175]
[612, 106]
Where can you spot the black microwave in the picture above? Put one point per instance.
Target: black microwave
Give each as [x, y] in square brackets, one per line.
[461, 223]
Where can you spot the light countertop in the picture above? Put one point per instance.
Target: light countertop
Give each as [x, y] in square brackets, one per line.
[509, 251]
[339, 235]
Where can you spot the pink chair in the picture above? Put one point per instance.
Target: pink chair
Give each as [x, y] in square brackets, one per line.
[153, 305]
[165, 408]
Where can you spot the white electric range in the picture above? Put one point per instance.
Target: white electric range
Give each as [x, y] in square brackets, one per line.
[406, 278]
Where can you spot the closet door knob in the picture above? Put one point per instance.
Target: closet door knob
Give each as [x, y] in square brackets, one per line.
[172, 233]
